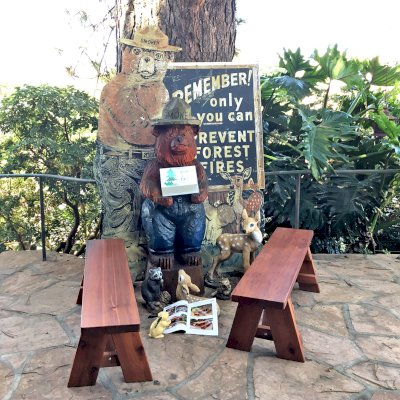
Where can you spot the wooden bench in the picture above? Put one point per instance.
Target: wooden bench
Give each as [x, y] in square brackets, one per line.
[110, 319]
[265, 290]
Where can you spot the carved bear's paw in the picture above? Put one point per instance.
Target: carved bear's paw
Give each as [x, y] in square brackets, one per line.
[163, 201]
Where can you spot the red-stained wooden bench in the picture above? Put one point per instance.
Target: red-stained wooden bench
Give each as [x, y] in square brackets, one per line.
[265, 290]
[110, 318]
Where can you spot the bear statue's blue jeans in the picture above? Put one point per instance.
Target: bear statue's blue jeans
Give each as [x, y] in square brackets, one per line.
[179, 228]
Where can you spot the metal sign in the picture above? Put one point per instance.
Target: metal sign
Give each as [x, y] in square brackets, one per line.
[225, 97]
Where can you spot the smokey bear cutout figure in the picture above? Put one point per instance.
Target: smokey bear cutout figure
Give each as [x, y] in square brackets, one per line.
[174, 225]
[125, 141]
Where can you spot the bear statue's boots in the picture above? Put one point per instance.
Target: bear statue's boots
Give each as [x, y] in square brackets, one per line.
[164, 261]
[191, 259]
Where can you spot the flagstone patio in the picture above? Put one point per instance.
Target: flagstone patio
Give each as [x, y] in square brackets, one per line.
[351, 335]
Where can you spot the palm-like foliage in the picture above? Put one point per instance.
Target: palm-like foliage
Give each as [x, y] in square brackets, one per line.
[348, 201]
[324, 134]
[309, 126]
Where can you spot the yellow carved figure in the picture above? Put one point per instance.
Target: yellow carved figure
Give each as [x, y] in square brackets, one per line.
[159, 325]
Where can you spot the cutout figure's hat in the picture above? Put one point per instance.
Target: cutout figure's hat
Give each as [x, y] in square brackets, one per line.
[176, 112]
[151, 38]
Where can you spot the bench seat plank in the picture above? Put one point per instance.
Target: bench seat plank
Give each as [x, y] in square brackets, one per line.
[284, 252]
[108, 296]
[110, 321]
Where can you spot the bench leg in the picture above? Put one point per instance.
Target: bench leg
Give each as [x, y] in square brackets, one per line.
[132, 357]
[285, 334]
[244, 326]
[306, 278]
[88, 359]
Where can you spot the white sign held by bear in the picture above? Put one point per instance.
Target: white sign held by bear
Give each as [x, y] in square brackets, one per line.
[177, 181]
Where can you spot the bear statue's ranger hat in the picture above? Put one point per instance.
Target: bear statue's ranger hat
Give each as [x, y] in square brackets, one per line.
[150, 37]
[176, 112]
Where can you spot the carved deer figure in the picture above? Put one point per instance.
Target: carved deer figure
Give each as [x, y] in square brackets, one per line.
[185, 286]
[246, 243]
[252, 205]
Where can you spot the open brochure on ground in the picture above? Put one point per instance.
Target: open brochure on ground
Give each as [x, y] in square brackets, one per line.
[199, 318]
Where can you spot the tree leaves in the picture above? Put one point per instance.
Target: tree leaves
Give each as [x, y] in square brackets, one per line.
[381, 75]
[42, 121]
[295, 87]
[333, 65]
[322, 141]
[391, 129]
[312, 125]
[48, 129]
[348, 201]
[293, 62]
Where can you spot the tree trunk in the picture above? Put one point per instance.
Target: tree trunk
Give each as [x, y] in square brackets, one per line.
[93, 235]
[71, 237]
[205, 29]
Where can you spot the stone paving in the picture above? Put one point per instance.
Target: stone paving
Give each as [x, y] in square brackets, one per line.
[351, 335]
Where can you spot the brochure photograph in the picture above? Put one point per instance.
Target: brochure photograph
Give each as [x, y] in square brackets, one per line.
[199, 318]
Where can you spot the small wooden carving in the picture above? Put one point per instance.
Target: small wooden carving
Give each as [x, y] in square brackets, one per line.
[185, 287]
[152, 290]
[252, 204]
[158, 326]
[246, 243]
[224, 289]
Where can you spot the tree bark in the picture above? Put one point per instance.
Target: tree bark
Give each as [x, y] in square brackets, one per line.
[93, 235]
[71, 237]
[204, 29]
[18, 236]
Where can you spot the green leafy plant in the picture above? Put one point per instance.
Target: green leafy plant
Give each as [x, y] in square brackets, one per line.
[311, 124]
[48, 130]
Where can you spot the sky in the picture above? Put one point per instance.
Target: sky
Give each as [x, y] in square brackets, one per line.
[365, 28]
[38, 39]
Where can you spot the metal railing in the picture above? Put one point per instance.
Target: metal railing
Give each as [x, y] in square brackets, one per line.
[41, 198]
[297, 173]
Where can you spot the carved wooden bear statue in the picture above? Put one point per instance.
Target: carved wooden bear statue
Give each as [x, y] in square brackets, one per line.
[174, 225]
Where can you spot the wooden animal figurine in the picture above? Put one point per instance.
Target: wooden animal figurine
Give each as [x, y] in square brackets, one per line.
[184, 287]
[246, 243]
[151, 289]
[252, 204]
[224, 290]
[159, 325]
